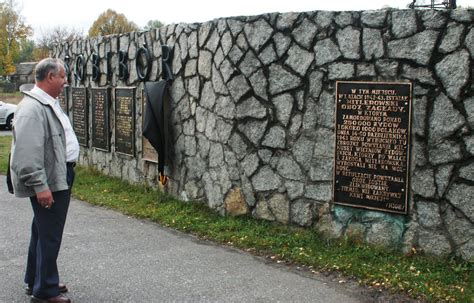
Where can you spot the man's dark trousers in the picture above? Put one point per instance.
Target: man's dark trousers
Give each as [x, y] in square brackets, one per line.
[46, 235]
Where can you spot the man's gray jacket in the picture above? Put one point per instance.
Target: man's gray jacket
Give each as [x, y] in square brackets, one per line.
[38, 155]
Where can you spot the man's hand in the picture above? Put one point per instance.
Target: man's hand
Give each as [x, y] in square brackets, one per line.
[45, 198]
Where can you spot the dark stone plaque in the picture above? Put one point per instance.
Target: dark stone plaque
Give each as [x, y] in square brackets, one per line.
[148, 152]
[100, 118]
[125, 121]
[372, 145]
[80, 114]
[64, 100]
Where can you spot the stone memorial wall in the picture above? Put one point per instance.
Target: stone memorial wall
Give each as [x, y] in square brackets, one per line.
[253, 125]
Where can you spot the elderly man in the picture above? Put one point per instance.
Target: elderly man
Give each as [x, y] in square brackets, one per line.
[43, 156]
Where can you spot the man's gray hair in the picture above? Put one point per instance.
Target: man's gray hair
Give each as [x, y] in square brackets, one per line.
[46, 66]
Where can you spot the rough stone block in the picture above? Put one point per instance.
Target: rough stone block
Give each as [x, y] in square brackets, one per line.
[326, 51]
[321, 169]
[284, 106]
[299, 59]
[434, 243]
[469, 143]
[320, 192]
[459, 228]
[249, 64]
[384, 233]
[423, 183]
[444, 120]
[344, 18]
[302, 213]
[235, 203]
[372, 43]
[453, 71]
[289, 169]
[266, 179]
[444, 152]
[262, 211]
[460, 195]
[258, 33]
[285, 21]
[281, 80]
[280, 208]
[403, 23]
[433, 19]
[251, 108]
[374, 18]
[428, 214]
[294, 189]
[275, 138]
[469, 106]
[418, 48]
[341, 71]
[259, 83]
[345, 214]
[349, 42]
[467, 172]
[329, 227]
[303, 150]
[452, 39]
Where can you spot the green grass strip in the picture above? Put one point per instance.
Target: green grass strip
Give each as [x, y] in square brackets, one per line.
[5, 144]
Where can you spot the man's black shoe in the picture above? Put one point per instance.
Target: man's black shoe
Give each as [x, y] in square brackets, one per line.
[29, 290]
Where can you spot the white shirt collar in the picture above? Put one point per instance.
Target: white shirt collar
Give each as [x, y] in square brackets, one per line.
[39, 92]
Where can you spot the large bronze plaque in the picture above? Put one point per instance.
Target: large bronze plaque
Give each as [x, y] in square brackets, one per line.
[372, 145]
[80, 114]
[64, 100]
[100, 118]
[148, 152]
[125, 121]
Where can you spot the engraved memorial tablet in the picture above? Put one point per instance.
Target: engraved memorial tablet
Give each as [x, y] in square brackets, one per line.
[79, 114]
[148, 152]
[63, 100]
[125, 121]
[371, 164]
[100, 118]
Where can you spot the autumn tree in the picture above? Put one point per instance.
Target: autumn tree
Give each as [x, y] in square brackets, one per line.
[13, 31]
[111, 22]
[153, 24]
[55, 35]
[27, 49]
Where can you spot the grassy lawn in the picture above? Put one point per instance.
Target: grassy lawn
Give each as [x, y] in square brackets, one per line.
[5, 144]
[430, 278]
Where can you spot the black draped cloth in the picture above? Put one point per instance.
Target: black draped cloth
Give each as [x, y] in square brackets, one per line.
[155, 127]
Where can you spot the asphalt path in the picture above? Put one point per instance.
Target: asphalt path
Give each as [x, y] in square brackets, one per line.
[110, 257]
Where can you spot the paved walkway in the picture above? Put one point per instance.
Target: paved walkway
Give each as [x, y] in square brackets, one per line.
[109, 257]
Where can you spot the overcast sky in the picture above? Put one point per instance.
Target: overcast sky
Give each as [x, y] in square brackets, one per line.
[45, 14]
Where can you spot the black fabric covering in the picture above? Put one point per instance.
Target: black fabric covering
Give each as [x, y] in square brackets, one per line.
[155, 128]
